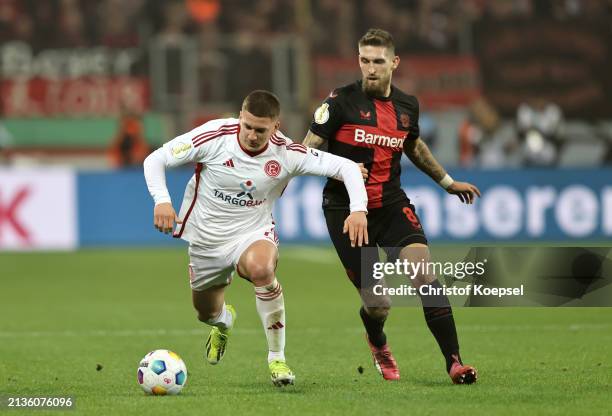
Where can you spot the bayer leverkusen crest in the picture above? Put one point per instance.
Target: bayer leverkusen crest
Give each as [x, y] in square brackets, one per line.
[272, 168]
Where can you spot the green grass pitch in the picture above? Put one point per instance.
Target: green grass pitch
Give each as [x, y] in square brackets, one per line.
[62, 314]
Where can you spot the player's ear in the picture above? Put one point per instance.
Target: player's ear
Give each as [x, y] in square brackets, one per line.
[396, 61]
[276, 126]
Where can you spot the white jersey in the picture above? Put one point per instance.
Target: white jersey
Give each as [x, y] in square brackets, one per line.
[233, 190]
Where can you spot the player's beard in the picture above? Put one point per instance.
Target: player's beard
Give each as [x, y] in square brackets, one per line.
[377, 88]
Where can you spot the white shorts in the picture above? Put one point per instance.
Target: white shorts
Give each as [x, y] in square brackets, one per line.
[210, 267]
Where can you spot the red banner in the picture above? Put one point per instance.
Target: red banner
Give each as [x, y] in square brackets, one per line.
[85, 96]
[438, 81]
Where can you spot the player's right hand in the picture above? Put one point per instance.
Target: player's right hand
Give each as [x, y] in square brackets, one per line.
[356, 225]
[364, 171]
[164, 217]
[465, 191]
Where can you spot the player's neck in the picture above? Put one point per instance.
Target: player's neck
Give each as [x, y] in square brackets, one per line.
[387, 91]
[385, 96]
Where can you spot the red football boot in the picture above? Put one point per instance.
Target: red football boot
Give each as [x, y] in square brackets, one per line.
[462, 374]
[384, 361]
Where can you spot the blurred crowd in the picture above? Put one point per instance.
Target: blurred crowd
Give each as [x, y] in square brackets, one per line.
[331, 25]
[47, 24]
[536, 136]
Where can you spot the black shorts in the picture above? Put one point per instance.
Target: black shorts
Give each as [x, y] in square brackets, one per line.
[392, 227]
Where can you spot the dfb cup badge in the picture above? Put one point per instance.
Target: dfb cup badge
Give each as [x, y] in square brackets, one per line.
[272, 168]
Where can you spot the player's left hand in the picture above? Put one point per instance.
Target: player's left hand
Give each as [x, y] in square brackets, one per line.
[356, 225]
[364, 171]
[464, 190]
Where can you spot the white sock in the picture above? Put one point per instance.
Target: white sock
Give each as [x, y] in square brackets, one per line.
[225, 320]
[271, 308]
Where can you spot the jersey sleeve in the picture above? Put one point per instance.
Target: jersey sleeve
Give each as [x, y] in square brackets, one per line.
[413, 129]
[186, 148]
[194, 146]
[327, 118]
[303, 160]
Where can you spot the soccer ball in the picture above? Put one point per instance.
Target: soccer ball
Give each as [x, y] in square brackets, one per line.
[162, 372]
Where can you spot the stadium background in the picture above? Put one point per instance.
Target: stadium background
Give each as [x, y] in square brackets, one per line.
[515, 96]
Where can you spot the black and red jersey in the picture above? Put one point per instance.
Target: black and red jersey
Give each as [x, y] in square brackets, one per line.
[370, 131]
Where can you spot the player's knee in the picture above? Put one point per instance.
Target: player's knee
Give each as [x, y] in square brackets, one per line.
[419, 254]
[259, 273]
[415, 253]
[378, 313]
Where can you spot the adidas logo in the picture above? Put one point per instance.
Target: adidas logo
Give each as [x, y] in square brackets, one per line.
[229, 163]
[277, 325]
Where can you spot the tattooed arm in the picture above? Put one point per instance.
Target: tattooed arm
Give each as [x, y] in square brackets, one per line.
[418, 152]
[312, 140]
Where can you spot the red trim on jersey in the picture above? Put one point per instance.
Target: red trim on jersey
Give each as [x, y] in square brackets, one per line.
[297, 147]
[247, 151]
[223, 133]
[204, 134]
[198, 169]
[277, 140]
[204, 137]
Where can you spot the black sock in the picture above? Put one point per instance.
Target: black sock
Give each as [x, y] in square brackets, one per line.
[374, 328]
[439, 318]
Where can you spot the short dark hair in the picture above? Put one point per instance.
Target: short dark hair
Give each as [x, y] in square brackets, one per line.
[262, 103]
[378, 37]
